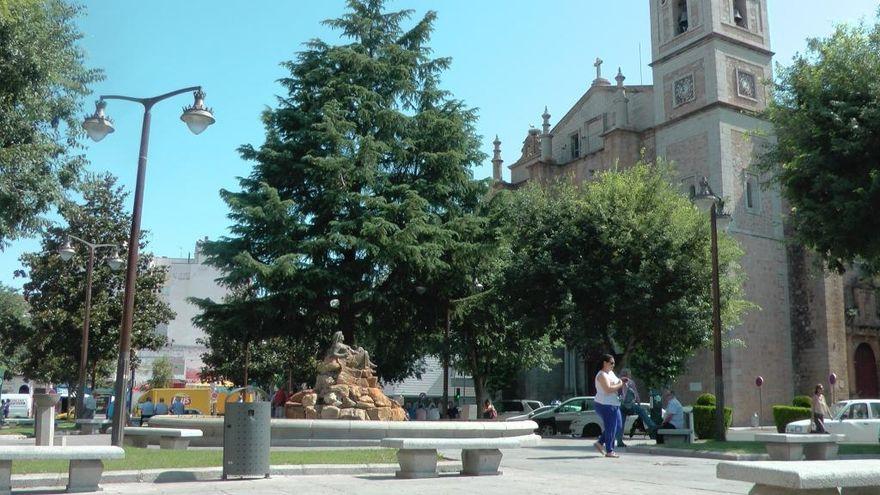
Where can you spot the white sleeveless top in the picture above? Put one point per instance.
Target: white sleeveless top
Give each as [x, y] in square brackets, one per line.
[603, 397]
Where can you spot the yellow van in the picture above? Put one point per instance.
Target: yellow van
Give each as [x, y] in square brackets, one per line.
[194, 399]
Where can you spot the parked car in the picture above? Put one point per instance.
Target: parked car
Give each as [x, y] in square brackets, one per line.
[589, 424]
[516, 407]
[523, 417]
[857, 419]
[562, 418]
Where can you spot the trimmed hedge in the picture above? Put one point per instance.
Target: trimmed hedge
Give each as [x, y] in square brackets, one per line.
[783, 415]
[704, 420]
[802, 401]
[706, 400]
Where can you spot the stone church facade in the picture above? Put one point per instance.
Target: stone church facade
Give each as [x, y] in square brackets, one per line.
[709, 58]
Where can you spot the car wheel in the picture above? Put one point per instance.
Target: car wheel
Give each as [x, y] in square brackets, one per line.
[548, 430]
[592, 430]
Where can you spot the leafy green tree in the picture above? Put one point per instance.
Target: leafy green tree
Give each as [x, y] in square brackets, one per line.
[365, 162]
[621, 265]
[15, 325]
[826, 117]
[43, 80]
[56, 290]
[162, 373]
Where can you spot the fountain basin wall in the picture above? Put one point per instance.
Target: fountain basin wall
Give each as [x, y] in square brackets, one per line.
[337, 432]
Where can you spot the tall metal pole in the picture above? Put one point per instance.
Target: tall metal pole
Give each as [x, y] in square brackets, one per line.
[720, 429]
[444, 408]
[120, 414]
[84, 351]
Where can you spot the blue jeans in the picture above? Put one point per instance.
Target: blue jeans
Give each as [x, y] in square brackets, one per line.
[611, 424]
[641, 413]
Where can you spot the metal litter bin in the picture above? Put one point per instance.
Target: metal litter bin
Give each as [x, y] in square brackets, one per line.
[246, 434]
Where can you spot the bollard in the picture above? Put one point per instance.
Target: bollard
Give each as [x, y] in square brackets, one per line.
[44, 421]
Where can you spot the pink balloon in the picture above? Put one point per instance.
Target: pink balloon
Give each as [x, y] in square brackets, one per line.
[759, 381]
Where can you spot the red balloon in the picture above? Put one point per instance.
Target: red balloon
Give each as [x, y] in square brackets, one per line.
[759, 381]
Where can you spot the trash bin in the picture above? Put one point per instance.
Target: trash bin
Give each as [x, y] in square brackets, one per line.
[246, 434]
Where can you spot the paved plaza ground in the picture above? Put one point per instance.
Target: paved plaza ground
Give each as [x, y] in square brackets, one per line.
[559, 465]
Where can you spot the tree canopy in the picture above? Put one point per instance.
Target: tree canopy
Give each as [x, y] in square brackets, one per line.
[43, 79]
[56, 290]
[365, 163]
[621, 265]
[826, 117]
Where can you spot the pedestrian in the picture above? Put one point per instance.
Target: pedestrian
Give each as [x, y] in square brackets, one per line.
[278, 402]
[607, 404]
[489, 411]
[89, 406]
[630, 405]
[674, 418]
[148, 409]
[820, 409]
[177, 406]
[6, 404]
[452, 410]
[110, 407]
[161, 407]
[421, 412]
[433, 411]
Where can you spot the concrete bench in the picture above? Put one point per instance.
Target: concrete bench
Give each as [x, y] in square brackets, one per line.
[84, 472]
[794, 447]
[92, 426]
[479, 456]
[853, 477]
[682, 435]
[169, 438]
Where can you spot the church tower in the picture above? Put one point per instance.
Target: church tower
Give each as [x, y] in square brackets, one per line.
[710, 59]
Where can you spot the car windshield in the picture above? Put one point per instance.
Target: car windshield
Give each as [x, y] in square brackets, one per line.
[838, 409]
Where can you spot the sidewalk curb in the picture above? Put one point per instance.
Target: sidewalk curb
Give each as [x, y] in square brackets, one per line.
[704, 454]
[20, 481]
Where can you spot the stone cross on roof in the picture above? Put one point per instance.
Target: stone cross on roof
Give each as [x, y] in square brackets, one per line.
[598, 66]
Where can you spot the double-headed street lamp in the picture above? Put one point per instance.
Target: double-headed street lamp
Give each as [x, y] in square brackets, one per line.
[707, 200]
[197, 117]
[66, 252]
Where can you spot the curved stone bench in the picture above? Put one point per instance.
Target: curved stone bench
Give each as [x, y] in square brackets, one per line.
[337, 432]
[169, 438]
[854, 477]
[794, 446]
[479, 456]
[84, 472]
[92, 426]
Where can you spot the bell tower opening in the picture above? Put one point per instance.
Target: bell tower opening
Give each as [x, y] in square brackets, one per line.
[680, 14]
[740, 13]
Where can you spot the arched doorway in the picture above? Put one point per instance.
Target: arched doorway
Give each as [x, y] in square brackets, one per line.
[866, 372]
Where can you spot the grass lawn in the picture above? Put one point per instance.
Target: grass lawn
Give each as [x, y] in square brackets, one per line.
[29, 429]
[136, 458]
[758, 447]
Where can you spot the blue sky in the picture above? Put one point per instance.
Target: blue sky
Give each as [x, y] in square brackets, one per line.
[510, 59]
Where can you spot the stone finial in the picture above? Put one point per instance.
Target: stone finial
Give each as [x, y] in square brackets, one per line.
[496, 160]
[546, 138]
[546, 124]
[620, 78]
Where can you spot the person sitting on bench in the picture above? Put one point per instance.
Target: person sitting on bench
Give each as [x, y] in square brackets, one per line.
[674, 417]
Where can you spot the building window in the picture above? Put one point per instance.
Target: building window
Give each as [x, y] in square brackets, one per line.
[680, 15]
[683, 91]
[575, 145]
[740, 14]
[745, 84]
[752, 193]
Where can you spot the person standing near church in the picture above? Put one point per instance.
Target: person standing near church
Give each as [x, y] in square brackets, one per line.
[607, 403]
[820, 409]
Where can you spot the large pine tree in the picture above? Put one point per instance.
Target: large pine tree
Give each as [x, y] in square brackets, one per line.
[353, 196]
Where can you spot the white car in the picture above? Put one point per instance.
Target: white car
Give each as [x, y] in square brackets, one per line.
[516, 407]
[523, 417]
[858, 419]
[589, 424]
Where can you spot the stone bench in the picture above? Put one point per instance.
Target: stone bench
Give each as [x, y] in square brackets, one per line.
[84, 472]
[794, 447]
[169, 438]
[853, 477]
[682, 435]
[92, 426]
[479, 456]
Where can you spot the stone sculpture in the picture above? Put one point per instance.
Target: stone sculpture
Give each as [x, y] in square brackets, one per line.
[345, 388]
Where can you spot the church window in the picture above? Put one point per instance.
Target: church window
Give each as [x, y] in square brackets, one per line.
[740, 13]
[680, 15]
[575, 145]
[745, 84]
[751, 193]
[683, 90]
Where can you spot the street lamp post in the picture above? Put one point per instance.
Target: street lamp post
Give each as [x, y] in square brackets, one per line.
[706, 199]
[197, 117]
[66, 252]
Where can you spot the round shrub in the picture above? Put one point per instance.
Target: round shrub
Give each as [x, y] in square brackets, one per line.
[704, 420]
[802, 401]
[706, 400]
[783, 415]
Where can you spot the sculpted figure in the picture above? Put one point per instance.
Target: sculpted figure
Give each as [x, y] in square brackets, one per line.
[359, 358]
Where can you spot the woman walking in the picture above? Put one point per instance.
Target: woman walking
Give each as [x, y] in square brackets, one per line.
[608, 405]
[820, 410]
